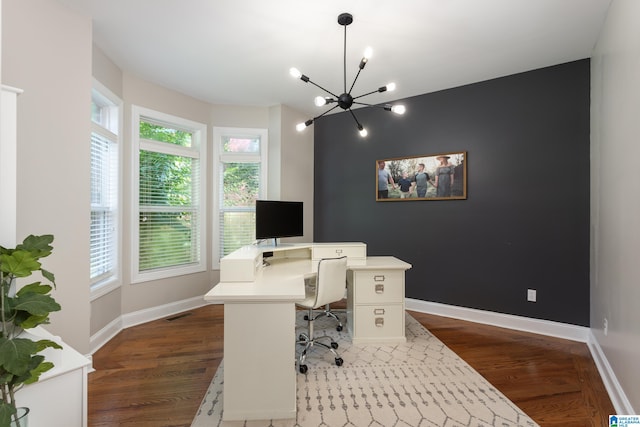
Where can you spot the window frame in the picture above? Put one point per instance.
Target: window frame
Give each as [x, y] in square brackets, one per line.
[113, 131]
[219, 157]
[197, 150]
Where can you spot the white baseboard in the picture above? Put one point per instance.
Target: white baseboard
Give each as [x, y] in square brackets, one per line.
[543, 327]
[519, 323]
[619, 399]
[142, 316]
[154, 313]
[104, 335]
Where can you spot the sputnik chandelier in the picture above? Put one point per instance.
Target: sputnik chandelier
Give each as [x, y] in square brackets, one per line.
[346, 100]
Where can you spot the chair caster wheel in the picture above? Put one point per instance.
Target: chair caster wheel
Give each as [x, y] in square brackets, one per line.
[334, 345]
[301, 337]
[339, 328]
[306, 317]
[303, 368]
[339, 361]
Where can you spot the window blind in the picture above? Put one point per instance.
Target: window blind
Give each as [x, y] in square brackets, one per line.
[103, 229]
[169, 220]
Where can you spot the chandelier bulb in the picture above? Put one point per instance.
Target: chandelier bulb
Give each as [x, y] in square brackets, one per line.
[391, 87]
[368, 52]
[363, 132]
[295, 72]
[398, 109]
[320, 101]
[301, 126]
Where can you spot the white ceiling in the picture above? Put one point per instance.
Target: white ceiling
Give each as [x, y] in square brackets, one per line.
[239, 51]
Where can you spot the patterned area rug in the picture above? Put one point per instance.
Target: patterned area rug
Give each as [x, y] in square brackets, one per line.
[417, 383]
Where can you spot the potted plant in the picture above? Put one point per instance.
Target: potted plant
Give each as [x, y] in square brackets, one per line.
[21, 309]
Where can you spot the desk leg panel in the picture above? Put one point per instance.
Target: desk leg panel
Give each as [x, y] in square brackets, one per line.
[259, 361]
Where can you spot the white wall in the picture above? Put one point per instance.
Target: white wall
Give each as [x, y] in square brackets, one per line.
[145, 295]
[291, 164]
[46, 51]
[298, 170]
[296, 166]
[615, 205]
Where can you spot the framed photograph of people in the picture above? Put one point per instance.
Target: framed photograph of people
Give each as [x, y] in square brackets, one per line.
[428, 177]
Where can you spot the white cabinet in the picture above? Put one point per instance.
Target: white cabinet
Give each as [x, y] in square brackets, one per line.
[59, 398]
[375, 300]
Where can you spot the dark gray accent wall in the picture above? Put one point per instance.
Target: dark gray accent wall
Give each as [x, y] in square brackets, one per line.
[525, 222]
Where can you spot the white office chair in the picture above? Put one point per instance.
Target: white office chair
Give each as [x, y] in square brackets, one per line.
[327, 312]
[330, 284]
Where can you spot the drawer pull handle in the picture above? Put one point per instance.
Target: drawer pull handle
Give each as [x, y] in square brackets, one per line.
[338, 251]
[378, 278]
[379, 289]
[379, 322]
[378, 311]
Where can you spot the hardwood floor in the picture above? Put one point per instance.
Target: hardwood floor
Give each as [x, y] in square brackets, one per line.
[554, 381]
[156, 374]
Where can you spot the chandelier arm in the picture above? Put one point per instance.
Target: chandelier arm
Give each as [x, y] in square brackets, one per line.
[354, 81]
[328, 111]
[355, 118]
[365, 94]
[318, 86]
[369, 105]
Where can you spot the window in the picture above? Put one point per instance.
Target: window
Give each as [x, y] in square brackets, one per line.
[241, 179]
[169, 184]
[105, 190]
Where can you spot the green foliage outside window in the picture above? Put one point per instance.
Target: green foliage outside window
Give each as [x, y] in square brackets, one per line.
[241, 188]
[168, 222]
[165, 134]
[241, 182]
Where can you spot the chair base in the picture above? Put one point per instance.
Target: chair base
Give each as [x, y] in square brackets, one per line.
[310, 341]
[328, 313]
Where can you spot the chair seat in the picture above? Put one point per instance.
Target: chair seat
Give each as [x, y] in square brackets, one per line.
[308, 302]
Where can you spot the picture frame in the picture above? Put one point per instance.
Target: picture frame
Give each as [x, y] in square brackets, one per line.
[441, 176]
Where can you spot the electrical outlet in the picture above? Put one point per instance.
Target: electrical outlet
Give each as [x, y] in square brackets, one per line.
[531, 295]
[606, 326]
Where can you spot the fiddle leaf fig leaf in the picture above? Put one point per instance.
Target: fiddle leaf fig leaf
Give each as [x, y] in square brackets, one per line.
[39, 370]
[15, 355]
[19, 263]
[49, 276]
[34, 288]
[36, 304]
[39, 246]
[42, 344]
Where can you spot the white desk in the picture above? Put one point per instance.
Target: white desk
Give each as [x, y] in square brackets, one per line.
[259, 318]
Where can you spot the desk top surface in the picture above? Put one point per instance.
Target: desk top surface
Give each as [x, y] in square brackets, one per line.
[283, 280]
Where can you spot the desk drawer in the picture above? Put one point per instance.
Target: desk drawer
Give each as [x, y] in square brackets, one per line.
[379, 321]
[335, 251]
[379, 286]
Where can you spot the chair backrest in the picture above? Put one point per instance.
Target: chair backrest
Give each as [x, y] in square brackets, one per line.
[331, 281]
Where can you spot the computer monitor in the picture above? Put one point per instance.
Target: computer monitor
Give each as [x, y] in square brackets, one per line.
[275, 219]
